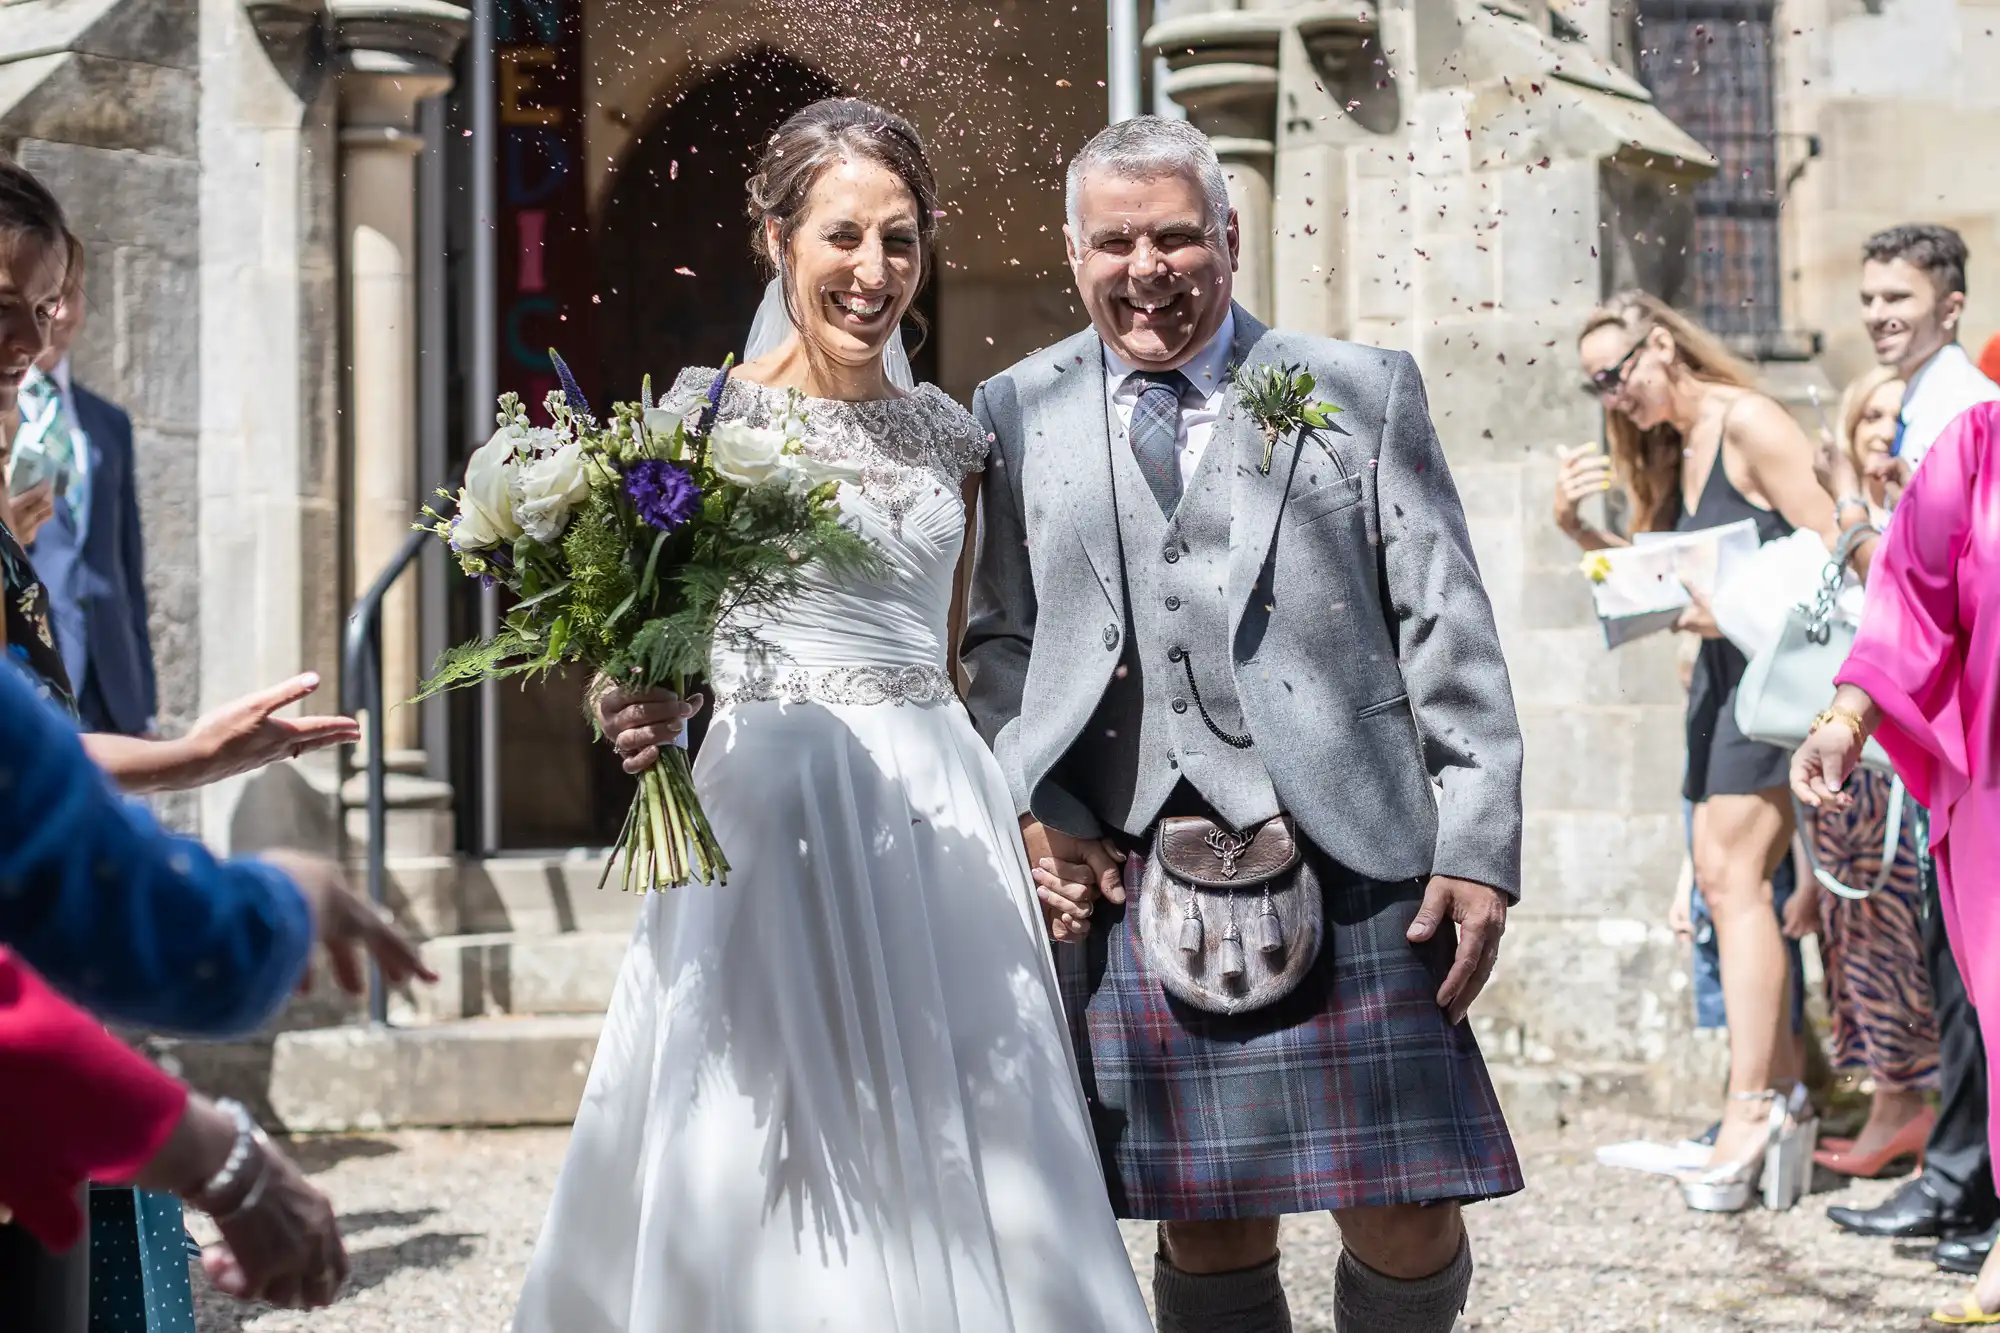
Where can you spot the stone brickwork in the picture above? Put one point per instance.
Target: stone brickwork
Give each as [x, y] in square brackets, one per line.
[1902, 100]
[108, 120]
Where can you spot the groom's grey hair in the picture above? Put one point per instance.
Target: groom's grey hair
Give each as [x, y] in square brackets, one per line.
[1146, 148]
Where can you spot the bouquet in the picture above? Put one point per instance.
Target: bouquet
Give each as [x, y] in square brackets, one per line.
[627, 546]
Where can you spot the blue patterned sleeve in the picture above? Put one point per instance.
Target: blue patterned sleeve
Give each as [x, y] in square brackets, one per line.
[131, 922]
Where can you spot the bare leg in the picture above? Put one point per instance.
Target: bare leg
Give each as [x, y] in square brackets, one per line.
[1738, 842]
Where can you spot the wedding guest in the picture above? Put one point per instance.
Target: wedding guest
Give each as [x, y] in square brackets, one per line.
[1923, 679]
[99, 1112]
[90, 554]
[1869, 412]
[1871, 950]
[39, 264]
[175, 940]
[1695, 446]
[1913, 299]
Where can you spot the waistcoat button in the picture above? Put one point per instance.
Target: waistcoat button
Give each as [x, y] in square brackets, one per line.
[1180, 705]
[1175, 654]
[1173, 603]
[1110, 636]
[1172, 555]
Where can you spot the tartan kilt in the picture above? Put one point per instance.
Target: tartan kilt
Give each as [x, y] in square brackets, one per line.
[1351, 1092]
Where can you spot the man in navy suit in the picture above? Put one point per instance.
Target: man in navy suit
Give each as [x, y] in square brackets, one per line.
[90, 553]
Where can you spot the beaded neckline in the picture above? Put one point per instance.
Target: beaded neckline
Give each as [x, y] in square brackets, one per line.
[907, 447]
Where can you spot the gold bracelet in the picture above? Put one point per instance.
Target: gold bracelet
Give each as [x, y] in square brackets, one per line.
[1845, 716]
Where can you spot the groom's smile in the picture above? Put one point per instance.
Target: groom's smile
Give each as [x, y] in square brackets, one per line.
[1153, 267]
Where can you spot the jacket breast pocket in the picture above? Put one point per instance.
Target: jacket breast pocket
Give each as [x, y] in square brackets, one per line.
[1331, 498]
[1400, 703]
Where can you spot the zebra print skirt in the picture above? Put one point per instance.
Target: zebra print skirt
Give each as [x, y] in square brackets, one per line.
[1877, 988]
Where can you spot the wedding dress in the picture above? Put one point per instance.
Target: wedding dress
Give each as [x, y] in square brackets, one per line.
[837, 1093]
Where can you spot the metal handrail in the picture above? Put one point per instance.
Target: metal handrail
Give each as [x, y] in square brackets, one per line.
[361, 692]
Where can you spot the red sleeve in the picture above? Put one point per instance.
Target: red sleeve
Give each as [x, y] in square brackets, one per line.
[75, 1105]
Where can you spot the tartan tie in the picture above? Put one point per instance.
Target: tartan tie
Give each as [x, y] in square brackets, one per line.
[1156, 433]
[39, 399]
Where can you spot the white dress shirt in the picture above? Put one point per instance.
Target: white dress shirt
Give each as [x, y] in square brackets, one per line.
[1948, 385]
[1208, 372]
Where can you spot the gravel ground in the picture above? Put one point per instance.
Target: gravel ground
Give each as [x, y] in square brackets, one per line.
[440, 1226]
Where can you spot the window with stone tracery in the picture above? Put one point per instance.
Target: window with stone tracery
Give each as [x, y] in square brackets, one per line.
[1709, 67]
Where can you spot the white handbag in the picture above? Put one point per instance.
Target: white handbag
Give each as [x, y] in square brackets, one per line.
[1751, 602]
[1789, 682]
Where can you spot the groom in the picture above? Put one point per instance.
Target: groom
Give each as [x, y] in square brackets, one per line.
[1160, 627]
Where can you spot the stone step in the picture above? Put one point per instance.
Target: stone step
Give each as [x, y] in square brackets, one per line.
[480, 975]
[484, 1071]
[549, 894]
[555, 894]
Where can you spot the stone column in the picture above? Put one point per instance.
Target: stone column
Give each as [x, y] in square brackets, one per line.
[1222, 68]
[393, 55]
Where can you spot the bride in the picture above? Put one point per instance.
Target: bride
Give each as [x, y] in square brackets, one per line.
[836, 1093]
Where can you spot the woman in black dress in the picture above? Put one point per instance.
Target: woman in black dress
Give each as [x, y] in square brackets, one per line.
[1695, 446]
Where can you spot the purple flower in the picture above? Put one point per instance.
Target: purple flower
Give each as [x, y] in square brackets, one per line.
[577, 402]
[707, 418]
[665, 495]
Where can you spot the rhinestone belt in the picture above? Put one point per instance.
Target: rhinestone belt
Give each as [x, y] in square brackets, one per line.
[846, 685]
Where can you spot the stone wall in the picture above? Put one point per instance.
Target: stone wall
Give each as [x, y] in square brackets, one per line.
[99, 100]
[1902, 98]
[271, 537]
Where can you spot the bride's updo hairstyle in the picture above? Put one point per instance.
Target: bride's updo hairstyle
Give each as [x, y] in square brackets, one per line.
[819, 138]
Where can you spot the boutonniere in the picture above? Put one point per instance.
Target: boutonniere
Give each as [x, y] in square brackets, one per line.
[1279, 399]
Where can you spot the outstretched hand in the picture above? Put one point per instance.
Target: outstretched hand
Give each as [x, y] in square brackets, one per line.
[1480, 913]
[243, 735]
[349, 926]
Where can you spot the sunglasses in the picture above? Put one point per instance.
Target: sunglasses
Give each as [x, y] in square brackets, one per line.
[1607, 382]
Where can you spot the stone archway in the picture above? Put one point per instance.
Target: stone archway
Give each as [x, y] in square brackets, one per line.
[677, 203]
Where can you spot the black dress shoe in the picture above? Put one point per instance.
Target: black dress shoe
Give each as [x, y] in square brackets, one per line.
[1965, 1254]
[1912, 1211]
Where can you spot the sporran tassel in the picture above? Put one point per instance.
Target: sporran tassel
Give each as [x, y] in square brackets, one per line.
[1270, 930]
[1191, 928]
[1233, 962]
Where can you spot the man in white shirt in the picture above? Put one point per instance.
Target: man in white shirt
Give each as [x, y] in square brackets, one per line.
[1913, 296]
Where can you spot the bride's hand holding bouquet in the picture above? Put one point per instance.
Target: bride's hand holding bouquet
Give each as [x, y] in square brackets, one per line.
[627, 545]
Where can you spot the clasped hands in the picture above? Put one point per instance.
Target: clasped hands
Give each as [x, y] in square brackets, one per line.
[1071, 874]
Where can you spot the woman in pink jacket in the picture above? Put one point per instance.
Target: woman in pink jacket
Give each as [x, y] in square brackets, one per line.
[1923, 679]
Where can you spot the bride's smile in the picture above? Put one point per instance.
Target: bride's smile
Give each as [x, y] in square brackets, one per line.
[853, 260]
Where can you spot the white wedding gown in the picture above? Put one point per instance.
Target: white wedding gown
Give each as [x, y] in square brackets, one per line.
[837, 1093]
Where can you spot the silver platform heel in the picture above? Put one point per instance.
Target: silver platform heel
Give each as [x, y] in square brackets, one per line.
[1729, 1187]
[1788, 1170]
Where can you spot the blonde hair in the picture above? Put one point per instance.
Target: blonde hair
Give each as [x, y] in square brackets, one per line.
[1853, 399]
[1648, 462]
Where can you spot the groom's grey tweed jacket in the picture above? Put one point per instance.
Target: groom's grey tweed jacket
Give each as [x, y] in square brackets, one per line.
[1361, 640]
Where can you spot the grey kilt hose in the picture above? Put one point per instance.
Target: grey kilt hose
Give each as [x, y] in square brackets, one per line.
[1353, 1091]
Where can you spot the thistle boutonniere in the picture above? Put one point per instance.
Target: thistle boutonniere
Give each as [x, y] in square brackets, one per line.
[1279, 399]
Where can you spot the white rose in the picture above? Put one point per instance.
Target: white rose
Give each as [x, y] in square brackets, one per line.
[747, 455]
[549, 489]
[808, 472]
[485, 504]
[661, 422]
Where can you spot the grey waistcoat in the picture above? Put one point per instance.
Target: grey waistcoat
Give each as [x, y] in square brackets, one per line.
[1148, 732]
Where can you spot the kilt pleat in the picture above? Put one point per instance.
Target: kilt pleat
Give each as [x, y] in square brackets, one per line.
[1353, 1091]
